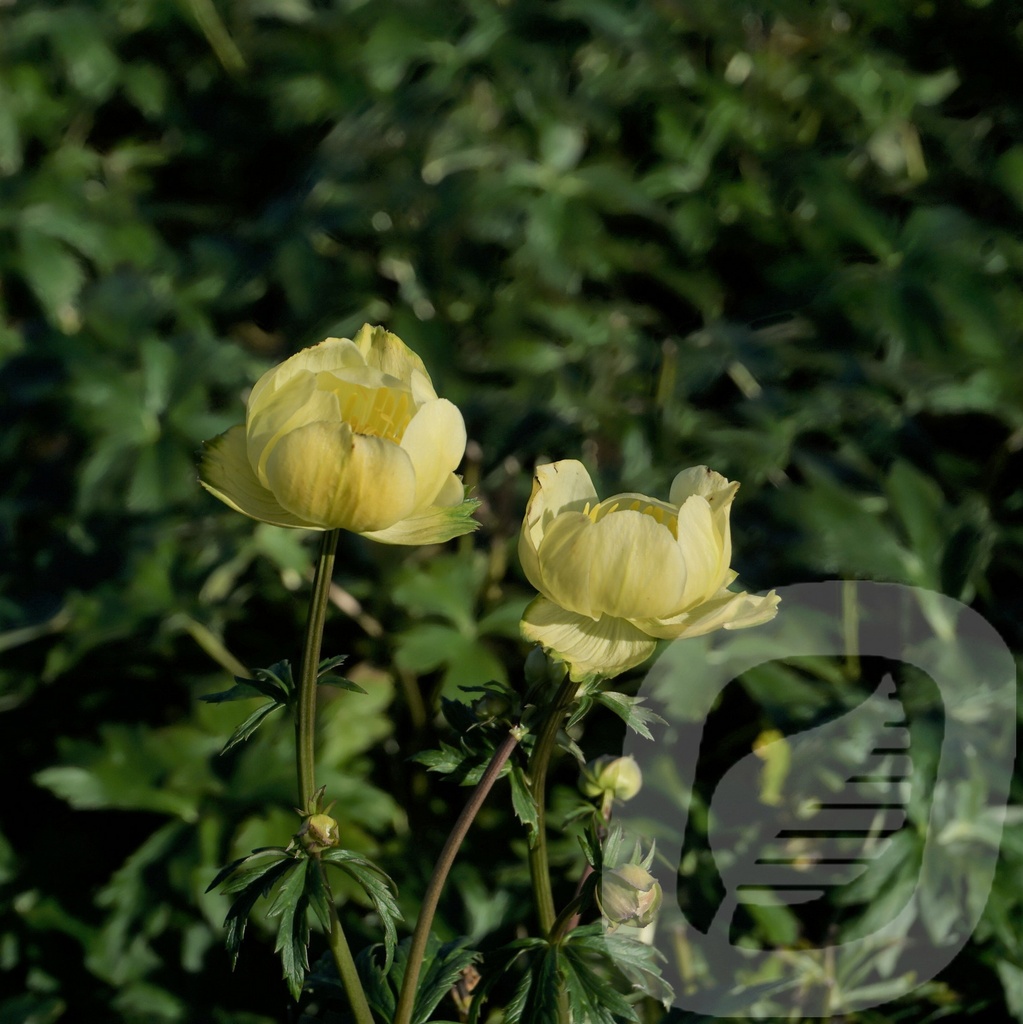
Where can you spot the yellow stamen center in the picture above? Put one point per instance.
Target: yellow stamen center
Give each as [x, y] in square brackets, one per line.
[381, 412]
[664, 515]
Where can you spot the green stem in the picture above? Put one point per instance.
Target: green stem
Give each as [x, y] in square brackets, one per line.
[417, 950]
[305, 718]
[345, 964]
[305, 755]
[539, 865]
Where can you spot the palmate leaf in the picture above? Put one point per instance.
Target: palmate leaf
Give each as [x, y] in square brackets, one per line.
[465, 765]
[378, 887]
[640, 963]
[591, 996]
[256, 886]
[442, 969]
[536, 999]
[293, 929]
[628, 709]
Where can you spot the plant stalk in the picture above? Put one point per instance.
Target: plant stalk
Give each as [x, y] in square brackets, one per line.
[345, 964]
[305, 716]
[305, 756]
[539, 864]
[417, 950]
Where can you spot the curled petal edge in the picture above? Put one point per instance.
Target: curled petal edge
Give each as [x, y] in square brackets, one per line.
[606, 647]
[226, 473]
[434, 525]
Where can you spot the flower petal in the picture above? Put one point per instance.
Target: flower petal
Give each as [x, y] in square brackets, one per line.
[434, 525]
[225, 472]
[637, 568]
[557, 487]
[389, 354]
[606, 647]
[435, 442]
[704, 482]
[701, 547]
[341, 480]
[297, 403]
[332, 354]
[726, 610]
[451, 493]
[565, 561]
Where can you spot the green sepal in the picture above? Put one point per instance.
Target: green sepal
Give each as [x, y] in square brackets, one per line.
[378, 886]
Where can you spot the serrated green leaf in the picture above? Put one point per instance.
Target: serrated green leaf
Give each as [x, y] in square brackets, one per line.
[536, 999]
[466, 766]
[639, 962]
[251, 724]
[591, 997]
[379, 888]
[319, 897]
[522, 799]
[238, 915]
[629, 711]
[231, 868]
[293, 929]
[441, 969]
[329, 664]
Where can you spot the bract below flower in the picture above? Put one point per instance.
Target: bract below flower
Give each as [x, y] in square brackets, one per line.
[348, 434]
[617, 575]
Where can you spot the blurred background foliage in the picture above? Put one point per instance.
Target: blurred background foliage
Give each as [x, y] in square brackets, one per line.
[783, 239]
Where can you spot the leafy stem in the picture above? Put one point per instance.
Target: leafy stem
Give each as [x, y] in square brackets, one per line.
[539, 864]
[421, 935]
[305, 711]
[305, 756]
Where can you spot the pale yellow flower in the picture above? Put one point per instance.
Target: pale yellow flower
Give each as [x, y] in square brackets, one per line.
[348, 434]
[617, 575]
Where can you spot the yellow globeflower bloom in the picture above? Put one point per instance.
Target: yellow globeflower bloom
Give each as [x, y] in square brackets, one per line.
[348, 434]
[617, 575]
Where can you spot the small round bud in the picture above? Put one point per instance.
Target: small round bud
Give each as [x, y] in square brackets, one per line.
[319, 832]
[619, 776]
[490, 706]
[630, 895]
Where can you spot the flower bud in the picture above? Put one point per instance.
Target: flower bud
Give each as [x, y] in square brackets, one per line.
[618, 776]
[318, 832]
[629, 895]
[491, 706]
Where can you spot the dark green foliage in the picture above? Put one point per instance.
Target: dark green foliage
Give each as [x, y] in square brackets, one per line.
[780, 239]
[443, 966]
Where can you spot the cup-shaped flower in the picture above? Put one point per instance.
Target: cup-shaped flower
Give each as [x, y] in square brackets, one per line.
[348, 434]
[617, 575]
